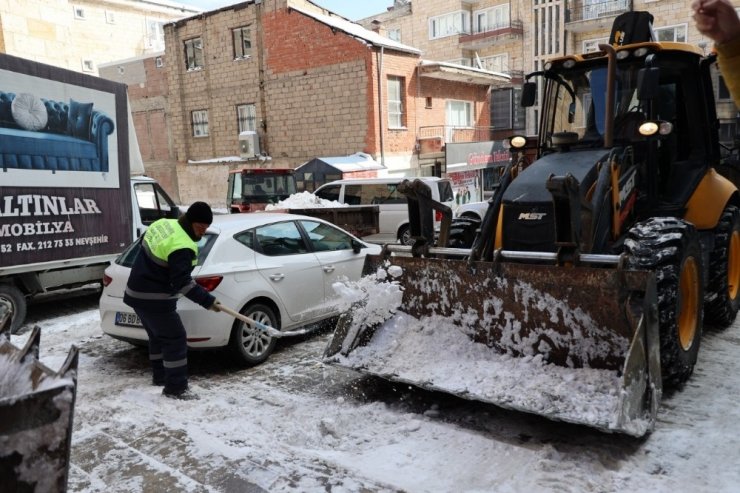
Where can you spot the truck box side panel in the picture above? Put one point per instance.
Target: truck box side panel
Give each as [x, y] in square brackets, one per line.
[51, 212]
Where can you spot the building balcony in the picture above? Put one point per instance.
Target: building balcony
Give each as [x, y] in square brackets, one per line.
[432, 139]
[483, 39]
[582, 16]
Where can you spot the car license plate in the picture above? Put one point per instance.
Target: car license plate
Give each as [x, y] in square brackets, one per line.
[128, 319]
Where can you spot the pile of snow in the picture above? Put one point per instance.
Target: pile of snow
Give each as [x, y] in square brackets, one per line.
[304, 200]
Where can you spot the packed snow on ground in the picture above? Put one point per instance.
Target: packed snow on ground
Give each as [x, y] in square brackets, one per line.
[296, 424]
[304, 200]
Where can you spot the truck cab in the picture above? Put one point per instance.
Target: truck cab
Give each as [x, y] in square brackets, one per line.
[149, 203]
[251, 190]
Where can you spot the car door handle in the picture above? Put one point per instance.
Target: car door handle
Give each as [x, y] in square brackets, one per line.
[277, 277]
[329, 269]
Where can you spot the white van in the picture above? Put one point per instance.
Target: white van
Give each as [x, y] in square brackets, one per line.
[394, 214]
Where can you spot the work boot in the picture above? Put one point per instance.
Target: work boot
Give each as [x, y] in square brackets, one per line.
[183, 395]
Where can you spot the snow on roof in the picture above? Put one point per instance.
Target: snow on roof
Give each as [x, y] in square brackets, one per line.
[464, 67]
[358, 161]
[357, 31]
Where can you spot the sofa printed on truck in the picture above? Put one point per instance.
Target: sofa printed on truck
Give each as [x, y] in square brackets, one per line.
[38, 133]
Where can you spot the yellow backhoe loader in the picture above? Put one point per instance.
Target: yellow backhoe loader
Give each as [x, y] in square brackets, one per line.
[590, 278]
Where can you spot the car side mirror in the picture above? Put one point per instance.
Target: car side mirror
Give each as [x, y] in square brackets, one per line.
[357, 246]
[529, 93]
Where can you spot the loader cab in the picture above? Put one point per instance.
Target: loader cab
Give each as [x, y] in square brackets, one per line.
[653, 81]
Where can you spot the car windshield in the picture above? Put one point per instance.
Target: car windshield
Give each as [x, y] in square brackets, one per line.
[127, 258]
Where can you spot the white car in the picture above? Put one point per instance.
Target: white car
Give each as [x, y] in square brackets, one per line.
[275, 268]
[474, 210]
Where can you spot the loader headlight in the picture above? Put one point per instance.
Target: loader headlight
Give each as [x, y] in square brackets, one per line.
[623, 54]
[516, 142]
[648, 128]
[660, 127]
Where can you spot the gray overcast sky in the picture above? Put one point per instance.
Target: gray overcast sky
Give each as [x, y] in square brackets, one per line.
[351, 9]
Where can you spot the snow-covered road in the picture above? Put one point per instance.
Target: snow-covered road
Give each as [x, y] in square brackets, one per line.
[294, 424]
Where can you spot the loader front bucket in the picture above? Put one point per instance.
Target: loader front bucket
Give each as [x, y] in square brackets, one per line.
[572, 343]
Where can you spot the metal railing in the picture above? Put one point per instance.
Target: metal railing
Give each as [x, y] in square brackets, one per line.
[452, 133]
[514, 24]
[580, 10]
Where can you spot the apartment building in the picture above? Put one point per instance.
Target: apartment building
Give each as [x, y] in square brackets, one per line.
[517, 37]
[304, 82]
[80, 35]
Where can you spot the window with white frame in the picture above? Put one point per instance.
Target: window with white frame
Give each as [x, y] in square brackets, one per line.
[242, 41]
[496, 63]
[459, 113]
[491, 19]
[246, 117]
[395, 102]
[200, 123]
[591, 45]
[159, 62]
[79, 13]
[395, 34]
[88, 65]
[154, 34]
[110, 17]
[194, 54]
[672, 33]
[449, 24]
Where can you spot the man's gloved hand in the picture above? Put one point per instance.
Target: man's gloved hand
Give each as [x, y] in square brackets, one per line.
[215, 307]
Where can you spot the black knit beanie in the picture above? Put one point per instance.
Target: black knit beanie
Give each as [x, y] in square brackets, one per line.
[199, 212]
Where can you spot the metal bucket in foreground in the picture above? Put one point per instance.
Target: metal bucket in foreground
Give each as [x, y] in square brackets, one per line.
[36, 411]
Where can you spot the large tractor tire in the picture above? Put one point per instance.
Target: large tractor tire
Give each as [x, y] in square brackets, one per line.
[722, 298]
[462, 232]
[670, 248]
[13, 295]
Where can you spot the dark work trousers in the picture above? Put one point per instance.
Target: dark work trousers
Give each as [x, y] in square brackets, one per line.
[168, 348]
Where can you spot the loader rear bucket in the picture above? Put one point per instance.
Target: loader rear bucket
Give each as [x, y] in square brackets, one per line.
[576, 344]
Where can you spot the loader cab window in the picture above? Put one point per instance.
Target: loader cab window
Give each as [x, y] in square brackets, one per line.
[581, 118]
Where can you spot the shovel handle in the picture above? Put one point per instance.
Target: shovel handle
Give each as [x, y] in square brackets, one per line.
[248, 320]
[271, 331]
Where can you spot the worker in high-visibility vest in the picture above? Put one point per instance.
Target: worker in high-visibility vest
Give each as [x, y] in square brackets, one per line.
[159, 276]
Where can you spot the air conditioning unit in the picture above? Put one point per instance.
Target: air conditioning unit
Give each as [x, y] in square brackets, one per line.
[249, 144]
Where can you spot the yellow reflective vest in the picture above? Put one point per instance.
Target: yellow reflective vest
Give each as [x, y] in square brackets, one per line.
[165, 236]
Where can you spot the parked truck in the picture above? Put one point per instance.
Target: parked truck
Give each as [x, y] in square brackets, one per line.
[259, 189]
[73, 193]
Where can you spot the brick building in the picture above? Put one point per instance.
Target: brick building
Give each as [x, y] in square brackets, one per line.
[307, 82]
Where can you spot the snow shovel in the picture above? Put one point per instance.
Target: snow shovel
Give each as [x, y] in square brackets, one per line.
[271, 331]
